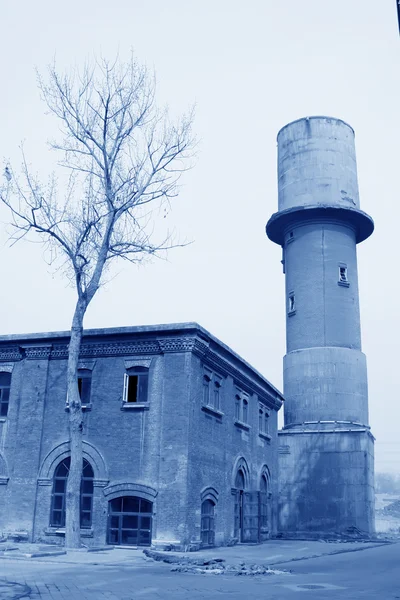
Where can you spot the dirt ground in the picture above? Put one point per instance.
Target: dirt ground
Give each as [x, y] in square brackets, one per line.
[387, 514]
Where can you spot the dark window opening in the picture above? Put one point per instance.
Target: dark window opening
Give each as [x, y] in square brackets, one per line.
[84, 385]
[245, 411]
[343, 274]
[264, 502]
[5, 384]
[291, 303]
[58, 499]
[136, 385]
[237, 407]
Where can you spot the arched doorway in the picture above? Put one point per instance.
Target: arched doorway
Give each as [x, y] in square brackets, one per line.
[208, 523]
[129, 521]
[238, 514]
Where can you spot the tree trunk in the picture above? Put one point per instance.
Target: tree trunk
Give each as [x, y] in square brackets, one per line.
[73, 492]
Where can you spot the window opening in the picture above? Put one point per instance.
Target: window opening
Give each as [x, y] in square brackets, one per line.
[264, 502]
[245, 411]
[343, 274]
[136, 385]
[291, 303]
[84, 385]
[5, 384]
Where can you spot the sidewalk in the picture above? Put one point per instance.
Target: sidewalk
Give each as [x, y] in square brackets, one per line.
[272, 552]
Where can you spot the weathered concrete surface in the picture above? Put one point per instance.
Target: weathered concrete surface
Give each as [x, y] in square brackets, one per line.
[326, 462]
[274, 552]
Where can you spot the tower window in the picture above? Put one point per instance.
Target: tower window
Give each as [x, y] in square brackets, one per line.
[343, 277]
[291, 303]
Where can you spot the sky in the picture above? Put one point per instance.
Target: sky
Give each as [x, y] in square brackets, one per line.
[250, 68]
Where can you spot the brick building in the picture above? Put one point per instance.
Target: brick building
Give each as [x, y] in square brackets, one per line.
[180, 438]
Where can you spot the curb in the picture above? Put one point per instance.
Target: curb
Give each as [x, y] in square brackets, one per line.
[159, 556]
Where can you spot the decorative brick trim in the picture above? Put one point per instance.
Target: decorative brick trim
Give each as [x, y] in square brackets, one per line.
[138, 362]
[6, 367]
[129, 488]
[100, 483]
[44, 481]
[10, 353]
[209, 493]
[182, 344]
[109, 349]
[87, 365]
[61, 451]
[37, 351]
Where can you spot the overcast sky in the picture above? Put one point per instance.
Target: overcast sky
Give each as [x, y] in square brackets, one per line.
[251, 67]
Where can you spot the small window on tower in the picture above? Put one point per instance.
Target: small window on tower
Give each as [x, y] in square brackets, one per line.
[292, 304]
[343, 277]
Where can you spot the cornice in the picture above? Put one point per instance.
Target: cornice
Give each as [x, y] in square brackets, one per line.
[37, 351]
[109, 349]
[10, 353]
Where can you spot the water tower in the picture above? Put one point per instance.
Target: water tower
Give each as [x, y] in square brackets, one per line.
[326, 449]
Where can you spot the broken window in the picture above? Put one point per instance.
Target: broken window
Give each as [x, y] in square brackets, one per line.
[136, 385]
[5, 384]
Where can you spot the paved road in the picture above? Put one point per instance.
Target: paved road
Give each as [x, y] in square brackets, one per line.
[372, 574]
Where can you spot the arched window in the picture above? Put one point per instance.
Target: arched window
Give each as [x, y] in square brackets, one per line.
[57, 514]
[264, 502]
[239, 481]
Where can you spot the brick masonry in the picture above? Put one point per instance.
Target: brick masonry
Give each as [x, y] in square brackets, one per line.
[174, 451]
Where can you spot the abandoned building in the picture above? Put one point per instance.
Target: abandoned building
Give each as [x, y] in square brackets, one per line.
[180, 433]
[326, 461]
[180, 439]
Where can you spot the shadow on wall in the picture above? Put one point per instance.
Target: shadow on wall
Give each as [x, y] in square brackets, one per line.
[326, 484]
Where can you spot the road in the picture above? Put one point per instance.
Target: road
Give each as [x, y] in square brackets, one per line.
[372, 574]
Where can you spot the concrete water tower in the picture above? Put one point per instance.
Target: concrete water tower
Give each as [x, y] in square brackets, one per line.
[326, 448]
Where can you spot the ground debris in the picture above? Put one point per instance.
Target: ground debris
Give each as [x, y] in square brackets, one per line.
[216, 567]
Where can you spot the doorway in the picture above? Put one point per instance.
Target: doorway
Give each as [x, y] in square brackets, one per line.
[238, 514]
[129, 521]
[207, 523]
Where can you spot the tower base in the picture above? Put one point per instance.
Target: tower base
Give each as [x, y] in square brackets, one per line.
[326, 482]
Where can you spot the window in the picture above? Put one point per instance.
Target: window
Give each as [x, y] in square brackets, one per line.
[263, 420]
[212, 385]
[241, 407]
[264, 502]
[136, 385]
[5, 383]
[343, 277]
[84, 385]
[57, 515]
[291, 303]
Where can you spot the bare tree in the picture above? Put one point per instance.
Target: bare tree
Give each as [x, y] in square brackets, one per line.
[122, 159]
